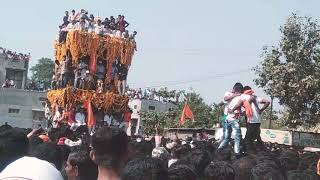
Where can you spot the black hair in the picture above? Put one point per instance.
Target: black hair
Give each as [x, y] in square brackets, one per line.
[301, 175]
[109, 145]
[48, 152]
[242, 167]
[181, 172]
[289, 160]
[238, 87]
[198, 160]
[246, 88]
[223, 154]
[178, 151]
[306, 160]
[219, 170]
[266, 170]
[145, 169]
[13, 145]
[65, 151]
[34, 141]
[56, 133]
[86, 168]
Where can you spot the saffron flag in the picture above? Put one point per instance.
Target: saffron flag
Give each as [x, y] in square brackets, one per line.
[186, 113]
[90, 117]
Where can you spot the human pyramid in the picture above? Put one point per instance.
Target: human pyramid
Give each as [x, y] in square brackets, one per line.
[92, 60]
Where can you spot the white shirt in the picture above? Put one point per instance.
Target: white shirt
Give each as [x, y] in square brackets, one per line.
[107, 119]
[27, 168]
[71, 27]
[57, 116]
[80, 118]
[98, 29]
[81, 27]
[236, 114]
[227, 94]
[72, 17]
[171, 161]
[256, 118]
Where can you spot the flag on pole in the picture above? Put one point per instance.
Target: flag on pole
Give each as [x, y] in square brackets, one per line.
[90, 117]
[186, 114]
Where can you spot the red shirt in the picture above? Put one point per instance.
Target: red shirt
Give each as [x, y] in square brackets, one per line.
[127, 116]
[71, 117]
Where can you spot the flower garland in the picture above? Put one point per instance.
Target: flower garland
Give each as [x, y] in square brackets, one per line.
[82, 44]
[108, 101]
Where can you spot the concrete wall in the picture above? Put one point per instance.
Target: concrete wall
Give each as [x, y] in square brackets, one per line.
[23, 100]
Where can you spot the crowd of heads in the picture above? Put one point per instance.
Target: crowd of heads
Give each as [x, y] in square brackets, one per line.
[82, 21]
[110, 154]
[13, 55]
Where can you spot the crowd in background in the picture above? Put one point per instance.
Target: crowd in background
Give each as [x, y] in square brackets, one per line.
[111, 154]
[14, 55]
[152, 94]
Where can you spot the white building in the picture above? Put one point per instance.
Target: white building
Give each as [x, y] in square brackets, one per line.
[143, 105]
[19, 107]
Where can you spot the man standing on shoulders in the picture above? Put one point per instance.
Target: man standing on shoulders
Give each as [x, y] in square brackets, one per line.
[254, 118]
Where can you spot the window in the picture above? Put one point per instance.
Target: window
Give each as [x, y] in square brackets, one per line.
[16, 76]
[135, 107]
[13, 111]
[152, 108]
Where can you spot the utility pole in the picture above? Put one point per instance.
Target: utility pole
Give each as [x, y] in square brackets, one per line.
[271, 113]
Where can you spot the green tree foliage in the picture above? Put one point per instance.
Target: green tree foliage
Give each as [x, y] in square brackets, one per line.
[290, 71]
[43, 71]
[205, 116]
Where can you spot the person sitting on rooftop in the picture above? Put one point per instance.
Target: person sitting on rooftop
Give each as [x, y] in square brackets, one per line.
[122, 24]
[66, 18]
[98, 28]
[72, 16]
[72, 26]
[82, 25]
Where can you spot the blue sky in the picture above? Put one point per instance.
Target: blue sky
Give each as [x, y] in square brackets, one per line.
[215, 42]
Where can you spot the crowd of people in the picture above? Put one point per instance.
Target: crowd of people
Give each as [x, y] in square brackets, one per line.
[152, 94]
[82, 21]
[110, 154]
[77, 118]
[14, 55]
[80, 77]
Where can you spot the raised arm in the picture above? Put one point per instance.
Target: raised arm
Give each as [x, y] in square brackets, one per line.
[265, 103]
[237, 106]
[228, 98]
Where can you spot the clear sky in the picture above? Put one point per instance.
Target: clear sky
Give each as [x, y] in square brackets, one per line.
[215, 42]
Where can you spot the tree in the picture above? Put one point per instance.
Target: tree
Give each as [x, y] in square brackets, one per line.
[290, 71]
[205, 116]
[43, 71]
[155, 122]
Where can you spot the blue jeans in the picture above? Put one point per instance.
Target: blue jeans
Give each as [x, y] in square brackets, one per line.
[231, 126]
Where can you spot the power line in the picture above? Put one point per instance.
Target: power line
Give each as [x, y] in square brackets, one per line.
[180, 82]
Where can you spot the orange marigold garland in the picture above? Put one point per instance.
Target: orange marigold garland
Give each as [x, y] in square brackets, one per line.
[106, 47]
[108, 101]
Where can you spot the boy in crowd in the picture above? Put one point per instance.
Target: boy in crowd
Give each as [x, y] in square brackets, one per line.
[109, 152]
